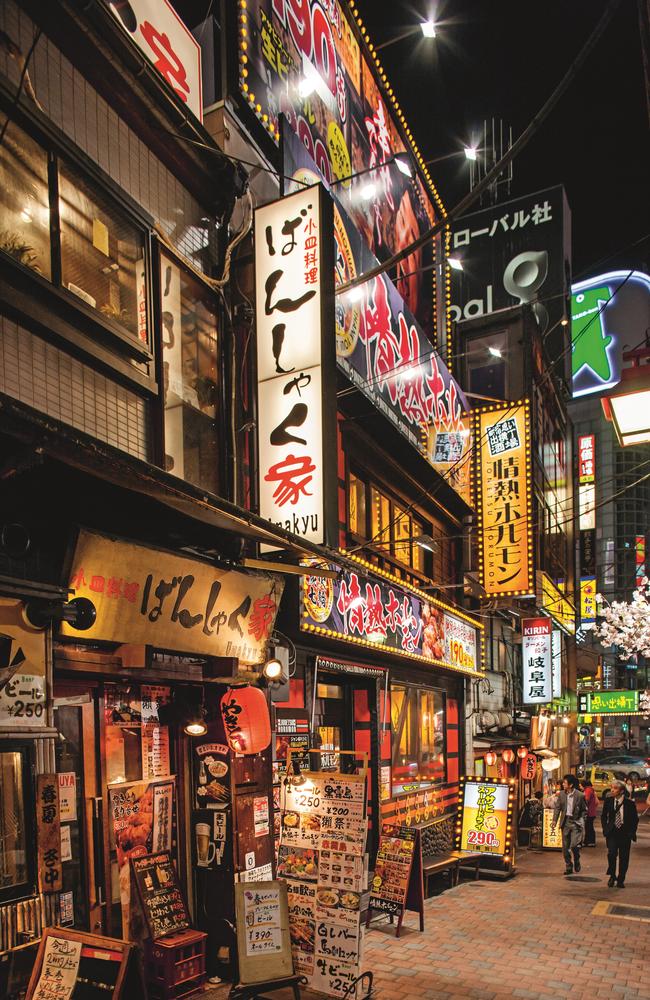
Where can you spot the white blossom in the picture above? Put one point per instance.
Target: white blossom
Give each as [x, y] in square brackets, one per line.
[626, 625]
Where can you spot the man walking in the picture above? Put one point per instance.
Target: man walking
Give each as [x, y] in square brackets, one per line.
[571, 811]
[620, 820]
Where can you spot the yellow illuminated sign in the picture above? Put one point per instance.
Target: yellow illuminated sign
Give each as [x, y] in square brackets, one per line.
[503, 491]
[485, 817]
[558, 606]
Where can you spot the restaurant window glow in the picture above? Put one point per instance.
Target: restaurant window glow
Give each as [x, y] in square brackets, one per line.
[628, 405]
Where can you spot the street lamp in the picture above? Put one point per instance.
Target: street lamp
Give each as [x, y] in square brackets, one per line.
[628, 404]
[428, 29]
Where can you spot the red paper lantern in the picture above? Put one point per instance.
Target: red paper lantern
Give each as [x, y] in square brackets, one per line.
[508, 756]
[246, 720]
[522, 752]
[528, 767]
[490, 758]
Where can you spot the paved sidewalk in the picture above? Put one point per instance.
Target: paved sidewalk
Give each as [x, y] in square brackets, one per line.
[533, 936]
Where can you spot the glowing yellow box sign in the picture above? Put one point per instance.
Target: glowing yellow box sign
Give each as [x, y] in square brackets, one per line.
[485, 825]
[503, 492]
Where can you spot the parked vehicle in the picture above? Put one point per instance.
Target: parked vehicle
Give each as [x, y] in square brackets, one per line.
[632, 766]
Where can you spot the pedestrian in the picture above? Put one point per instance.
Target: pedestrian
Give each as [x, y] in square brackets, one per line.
[592, 810]
[620, 820]
[570, 811]
[629, 787]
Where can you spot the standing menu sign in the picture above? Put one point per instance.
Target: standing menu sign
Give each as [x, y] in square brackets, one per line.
[160, 894]
[397, 881]
[321, 858]
[484, 824]
[263, 943]
[73, 965]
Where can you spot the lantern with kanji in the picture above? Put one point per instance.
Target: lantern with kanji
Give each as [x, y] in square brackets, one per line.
[528, 766]
[490, 758]
[522, 752]
[246, 720]
[508, 756]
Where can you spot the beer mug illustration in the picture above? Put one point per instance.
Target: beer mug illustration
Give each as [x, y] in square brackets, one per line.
[205, 848]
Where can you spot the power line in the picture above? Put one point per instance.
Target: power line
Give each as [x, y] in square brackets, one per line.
[21, 84]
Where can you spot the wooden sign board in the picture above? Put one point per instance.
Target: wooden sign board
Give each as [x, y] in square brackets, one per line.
[48, 825]
[73, 963]
[160, 894]
[263, 941]
[397, 883]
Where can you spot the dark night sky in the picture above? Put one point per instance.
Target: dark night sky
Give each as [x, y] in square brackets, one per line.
[502, 58]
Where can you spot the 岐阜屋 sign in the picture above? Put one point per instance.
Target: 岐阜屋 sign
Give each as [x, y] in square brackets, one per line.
[151, 597]
[536, 658]
[355, 608]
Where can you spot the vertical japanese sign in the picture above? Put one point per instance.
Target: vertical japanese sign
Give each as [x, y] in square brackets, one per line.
[639, 558]
[556, 660]
[503, 484]
[158, 31]
[486, 817]
[536, 656]
[48, 824]
[294, 276]
[586, 461]
[587, 600]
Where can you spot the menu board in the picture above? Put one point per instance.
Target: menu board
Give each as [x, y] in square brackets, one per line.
[162, 900]
[263, 944]
[322, 859]
[390, 882]
[551, 839]
[74, 965]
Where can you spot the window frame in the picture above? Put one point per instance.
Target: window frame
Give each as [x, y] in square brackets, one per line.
[420, 689]
[25, 747]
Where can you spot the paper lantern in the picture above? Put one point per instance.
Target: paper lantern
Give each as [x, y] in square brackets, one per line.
[508, 756]
[246, 719]
[490, 758]
[528, 767]
[551, 763]
[522, 752]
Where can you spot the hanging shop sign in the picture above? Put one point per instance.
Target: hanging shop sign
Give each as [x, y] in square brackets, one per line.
[23, 690]
[586, 458]
[556, 663]
[484, 821]
[303, 61]
[607, 311]
[153, 597]
[294, 283]
[503, 491]
[384, 351]
[609, 703]
[158, 31]
[536, 657]
[321, 857]
[588, 606]
[48, 827]
[588, 552]
[552, 599]
[377, 613]
[528, 767]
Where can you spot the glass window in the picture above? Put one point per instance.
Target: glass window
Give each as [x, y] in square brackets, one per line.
[417, 552]
[191, 377]
[418, 733]
[402, 535]
[357, 506]
[24, 202]
[14, 840]
[102, 254]
[380, 516]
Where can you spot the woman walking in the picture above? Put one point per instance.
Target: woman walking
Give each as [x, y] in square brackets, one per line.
[592, 809]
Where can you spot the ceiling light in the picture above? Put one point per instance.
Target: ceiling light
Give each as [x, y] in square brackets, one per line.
[403, 166]
[455, 263]
[273, 669]
[470, 152]
[495, 352]
[564, 321]
[368, 191]
[196, 728]
[428, 29]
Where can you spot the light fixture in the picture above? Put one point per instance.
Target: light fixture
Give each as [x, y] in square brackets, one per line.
[455, 263]
[196, 727]
[428, 29]
[566, 720]
[627, 405]
[490, 758]
[564, 321]
[496, 352]
[273, 669]
[470, 152]
[403, 166]
[522, 752]
[551, 763]
[368, 191]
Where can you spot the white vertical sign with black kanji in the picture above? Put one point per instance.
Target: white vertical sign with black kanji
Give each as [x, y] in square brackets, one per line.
[536, 656]
[289, 280]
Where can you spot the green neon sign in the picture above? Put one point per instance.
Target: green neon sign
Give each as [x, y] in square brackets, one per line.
[590, 342]
[613, 702]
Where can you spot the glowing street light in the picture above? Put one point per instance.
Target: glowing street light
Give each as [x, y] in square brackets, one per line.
[455, 263]
[471, 153]
[428, 29]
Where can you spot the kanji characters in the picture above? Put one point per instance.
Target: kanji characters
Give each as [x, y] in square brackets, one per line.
[165, 59]
[262, 617]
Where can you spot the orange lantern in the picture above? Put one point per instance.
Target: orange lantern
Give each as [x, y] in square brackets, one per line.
[246, 720]
[508, 756]
[490, 758]
[522, 752]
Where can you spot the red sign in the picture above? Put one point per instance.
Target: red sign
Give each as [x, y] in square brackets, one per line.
[528, 767]
[586, 458]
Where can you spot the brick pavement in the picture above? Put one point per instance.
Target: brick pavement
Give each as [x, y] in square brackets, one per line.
[533, 936]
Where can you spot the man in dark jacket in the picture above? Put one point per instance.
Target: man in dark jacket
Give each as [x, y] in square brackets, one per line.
[570, 812]
[620, 820]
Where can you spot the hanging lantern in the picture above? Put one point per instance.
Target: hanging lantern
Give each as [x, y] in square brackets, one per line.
[490, 758]
[528, 767]
[246, 720]
[522, 752]
[551, 763]
[508, 756]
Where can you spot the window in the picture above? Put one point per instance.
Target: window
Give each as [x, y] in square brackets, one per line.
[24, 202]
[190, 345]
[16, 808]
[379, 516]
[357, 506]
[102, 254]
[418, 734]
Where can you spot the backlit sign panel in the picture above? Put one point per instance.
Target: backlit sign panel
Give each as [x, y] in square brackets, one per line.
[536, 658]
[586, 458]
[484, 822]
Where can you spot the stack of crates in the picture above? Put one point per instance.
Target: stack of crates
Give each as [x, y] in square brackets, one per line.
[176, 965]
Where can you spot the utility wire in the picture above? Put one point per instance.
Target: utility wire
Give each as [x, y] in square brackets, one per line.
[21, 84]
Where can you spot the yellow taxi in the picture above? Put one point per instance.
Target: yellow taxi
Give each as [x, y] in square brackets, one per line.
[600, 779]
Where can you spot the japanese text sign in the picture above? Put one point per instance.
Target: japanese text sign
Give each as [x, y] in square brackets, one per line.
[503, 483]
[588, 606]
[157, 30]
[153, 597]
[485, 823]
[23, 698]
[586, 458]
[611, 703]
[48, 825]
[536, 655]
[528, 767]
[294, 281]
[360, 609]
[59, 970]
[345, 124]
[552, 599]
